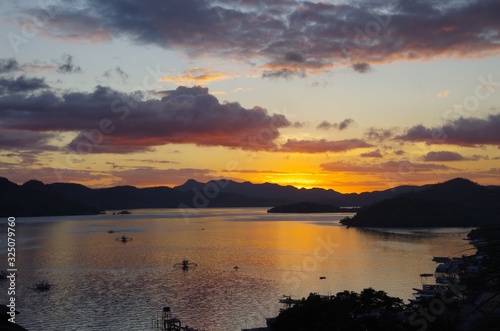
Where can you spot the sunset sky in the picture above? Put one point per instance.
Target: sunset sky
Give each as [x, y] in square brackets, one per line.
[349, 95]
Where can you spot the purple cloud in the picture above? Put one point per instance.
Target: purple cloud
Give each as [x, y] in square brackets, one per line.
[325, 125]
[285, 37]
[447, 156]
[462, 131]
[108, 121]
[375, 154]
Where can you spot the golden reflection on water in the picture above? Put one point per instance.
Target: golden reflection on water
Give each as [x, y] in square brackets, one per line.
[102, 282]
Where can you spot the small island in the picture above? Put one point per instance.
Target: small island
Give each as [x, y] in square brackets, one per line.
[124, 212]
[306, 207]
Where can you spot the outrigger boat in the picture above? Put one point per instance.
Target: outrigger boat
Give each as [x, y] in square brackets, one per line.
[123, 239]
[185, 264]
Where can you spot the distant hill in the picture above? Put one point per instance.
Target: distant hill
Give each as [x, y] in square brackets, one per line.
[34, 198]
[291, 194]
[306, 207]
[458, 202]
[130, 197]
[37, 199]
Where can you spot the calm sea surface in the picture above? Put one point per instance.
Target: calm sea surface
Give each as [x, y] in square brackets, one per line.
[104, 284]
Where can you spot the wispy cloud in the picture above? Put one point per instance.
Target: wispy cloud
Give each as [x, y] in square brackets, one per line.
[322, 145]
[443, 94]
[67, 65]
[8, 65]
[64, 65]
[285, 73]
[380, 134]
[325, 125]
[375, 154]
[197, 76]
[241, 89]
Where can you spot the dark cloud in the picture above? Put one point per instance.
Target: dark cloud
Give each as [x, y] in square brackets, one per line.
[23, 139]
[21, 84]
[293, 35]
[375, 154]
[362, 67]
[122, 74]
[108, 121]
[298, 125]
[379, 134]
[67, 65]
[322, 146]
[461, 131]
[118, 71]
[325, 125]
[294, 57]
[107, 74]
[442, 156]
[447, 156]
[283, 73]
[8, 65]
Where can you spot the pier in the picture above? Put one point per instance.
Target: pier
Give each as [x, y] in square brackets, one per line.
[164, 321]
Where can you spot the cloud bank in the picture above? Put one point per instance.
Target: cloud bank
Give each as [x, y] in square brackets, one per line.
[290, 38]
[461, 131]
[447, 156]
[108, 121]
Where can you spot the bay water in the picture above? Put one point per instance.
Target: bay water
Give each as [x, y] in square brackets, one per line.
[243, 261]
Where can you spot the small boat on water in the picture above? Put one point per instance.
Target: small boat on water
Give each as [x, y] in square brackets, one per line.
[124, 212]
[123, 239]
[185, 264]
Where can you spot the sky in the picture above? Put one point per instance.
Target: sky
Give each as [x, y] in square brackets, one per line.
[346, 95]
